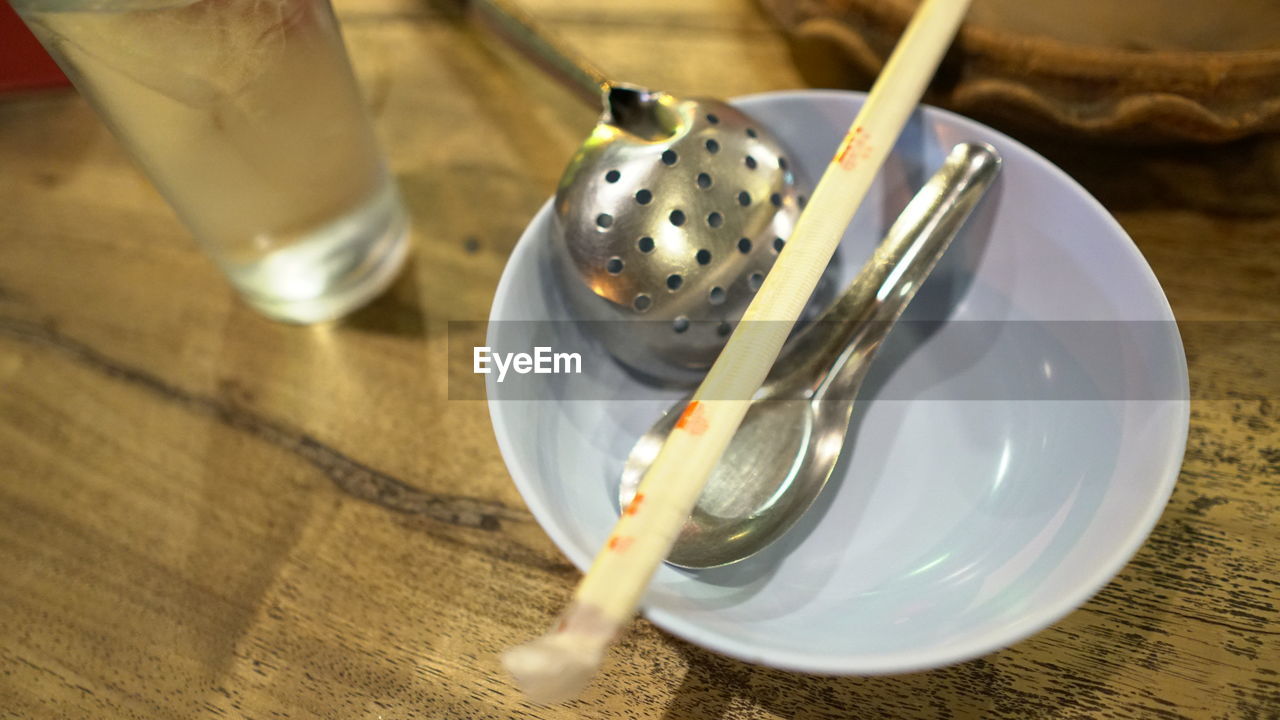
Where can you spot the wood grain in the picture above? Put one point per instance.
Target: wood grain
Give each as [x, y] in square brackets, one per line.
[204, 514]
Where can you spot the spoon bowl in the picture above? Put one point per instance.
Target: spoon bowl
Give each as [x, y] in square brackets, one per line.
[767, 478]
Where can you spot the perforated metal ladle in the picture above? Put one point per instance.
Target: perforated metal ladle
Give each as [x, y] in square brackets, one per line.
[668, 216]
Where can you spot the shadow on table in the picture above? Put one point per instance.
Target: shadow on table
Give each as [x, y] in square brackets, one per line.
[398, 311]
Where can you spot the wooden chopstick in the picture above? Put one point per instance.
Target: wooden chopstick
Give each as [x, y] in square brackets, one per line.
[556, 666]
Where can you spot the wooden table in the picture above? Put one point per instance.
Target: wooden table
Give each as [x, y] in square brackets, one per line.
[205, 514]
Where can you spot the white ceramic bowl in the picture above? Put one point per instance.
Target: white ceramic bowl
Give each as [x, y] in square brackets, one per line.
[994, 477]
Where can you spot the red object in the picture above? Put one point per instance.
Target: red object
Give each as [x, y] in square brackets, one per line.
[23, 63]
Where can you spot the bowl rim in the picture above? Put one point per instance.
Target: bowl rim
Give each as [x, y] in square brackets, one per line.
[1035, 620]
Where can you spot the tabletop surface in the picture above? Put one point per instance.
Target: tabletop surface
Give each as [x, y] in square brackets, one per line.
[204, 514]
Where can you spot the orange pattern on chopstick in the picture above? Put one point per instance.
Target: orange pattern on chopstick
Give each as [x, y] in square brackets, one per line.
[855, 148]
[693, 420]
[634, 505]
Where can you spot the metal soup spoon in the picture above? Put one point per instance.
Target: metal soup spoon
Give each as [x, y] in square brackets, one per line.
[791, 437]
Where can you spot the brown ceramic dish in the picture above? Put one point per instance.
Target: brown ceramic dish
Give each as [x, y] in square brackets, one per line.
[1149, 70]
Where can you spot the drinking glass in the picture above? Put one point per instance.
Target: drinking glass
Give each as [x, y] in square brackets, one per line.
[246, 116]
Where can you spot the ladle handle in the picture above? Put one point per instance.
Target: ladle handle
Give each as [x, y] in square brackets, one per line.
[518, 28]
[837, 350]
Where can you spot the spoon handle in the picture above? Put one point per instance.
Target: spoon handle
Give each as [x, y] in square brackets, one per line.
[518, 28]
[833, 356]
